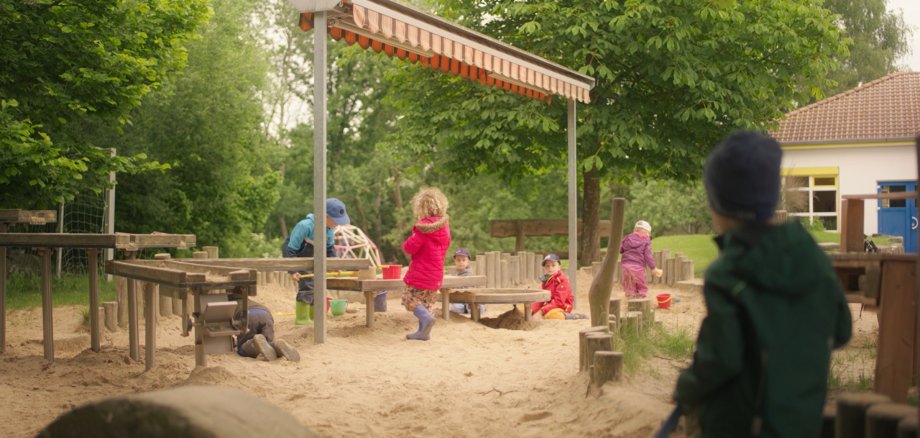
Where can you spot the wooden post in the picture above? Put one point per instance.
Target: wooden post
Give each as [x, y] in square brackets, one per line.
[607, 366]
[643, 306]
[907, 427]
[121, 296]
[583, 362]
[515, 261]
[537, 267]
[882, 419]
[594, 342]
[201, 359]
[851, 413]
[505, 273]
[613, 324]
[92, 268]
[656, 256]
[133, 336]
[213, 251]
[110, 311]
[47, 317]
[602, 285]
[852, 216]
[828, 419]
[688, 270]
[633, 322]
[613, 308]
[897, 342]
[150, 325]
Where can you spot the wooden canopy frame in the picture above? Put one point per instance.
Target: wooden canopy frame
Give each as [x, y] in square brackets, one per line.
[401, 31]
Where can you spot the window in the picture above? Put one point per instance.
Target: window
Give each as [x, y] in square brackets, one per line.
[894, 203]
[812, 195]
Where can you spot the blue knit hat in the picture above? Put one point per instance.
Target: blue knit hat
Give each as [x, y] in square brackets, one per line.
[742, 176]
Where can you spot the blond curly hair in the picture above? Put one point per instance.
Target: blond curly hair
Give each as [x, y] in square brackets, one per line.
[429, 202]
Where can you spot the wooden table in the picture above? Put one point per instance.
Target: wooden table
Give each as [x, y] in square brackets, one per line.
[889, 282]
[370, 287]
[92, 243]
[499, 296]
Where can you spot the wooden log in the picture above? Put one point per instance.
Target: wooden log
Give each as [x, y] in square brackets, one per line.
[828, 419]
[882, 419]
[583, 362]
[505, 278]
[608, 365]
[613, 323]
[515, 263]
[121, 297]
[95, 322]
[851, 413]
[644, 306]
[166, 305]
[614, 307]
[188, 411]
[110, 315]
[656, 255]
[492, 269]
[537, 266]
[213, 251]
[688, 270]
[908, 427]
[594, 342]
[200, 255]
[633, 323]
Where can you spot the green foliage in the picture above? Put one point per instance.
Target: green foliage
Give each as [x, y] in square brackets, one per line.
[24, 291]
[697, 247]
[206, 124]
[877, 38]
[657, 341]
[669, 206]
[66, 63]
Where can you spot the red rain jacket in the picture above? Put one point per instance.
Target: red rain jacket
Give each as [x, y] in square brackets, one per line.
[560, 294]
[427, 247]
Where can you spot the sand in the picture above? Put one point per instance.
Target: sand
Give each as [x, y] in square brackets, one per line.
[469, 380]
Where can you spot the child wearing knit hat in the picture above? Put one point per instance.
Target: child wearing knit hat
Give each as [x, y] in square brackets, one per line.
[635, 255]
[775, 309]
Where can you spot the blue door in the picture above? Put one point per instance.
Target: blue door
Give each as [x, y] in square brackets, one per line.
[898, 217]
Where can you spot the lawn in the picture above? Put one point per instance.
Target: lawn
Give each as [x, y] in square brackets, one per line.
[24, 291]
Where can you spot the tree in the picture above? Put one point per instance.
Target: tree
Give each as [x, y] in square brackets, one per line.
[879, 37]
[672, 78]
[66, 62]
[206, 124]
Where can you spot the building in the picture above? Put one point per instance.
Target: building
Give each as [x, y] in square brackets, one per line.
[860, 141]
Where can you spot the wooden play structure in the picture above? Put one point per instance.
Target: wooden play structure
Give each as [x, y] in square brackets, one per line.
[887, 282]
[43, 243]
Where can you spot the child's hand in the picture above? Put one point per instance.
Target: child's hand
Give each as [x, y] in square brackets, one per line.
[295, 276]
[657, 272]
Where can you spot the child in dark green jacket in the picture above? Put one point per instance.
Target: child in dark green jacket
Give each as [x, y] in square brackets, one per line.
[775, 308]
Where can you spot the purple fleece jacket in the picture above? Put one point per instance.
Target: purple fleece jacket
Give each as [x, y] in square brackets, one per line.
[636, 250]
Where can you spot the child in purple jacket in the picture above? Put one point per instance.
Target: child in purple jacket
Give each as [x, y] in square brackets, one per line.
[635, 255]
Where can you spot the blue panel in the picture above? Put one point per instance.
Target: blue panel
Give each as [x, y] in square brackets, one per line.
[899, 217]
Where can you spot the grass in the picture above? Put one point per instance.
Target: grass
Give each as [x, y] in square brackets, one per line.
[638, 348]
[697, 247]
[24, 291]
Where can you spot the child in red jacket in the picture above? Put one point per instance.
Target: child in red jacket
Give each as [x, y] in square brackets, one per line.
[426, 248]
[558, 285]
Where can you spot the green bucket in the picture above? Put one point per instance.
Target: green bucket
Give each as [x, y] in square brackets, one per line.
[338, 307]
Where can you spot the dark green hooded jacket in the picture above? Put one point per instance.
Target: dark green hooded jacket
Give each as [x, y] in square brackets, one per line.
[775, 310]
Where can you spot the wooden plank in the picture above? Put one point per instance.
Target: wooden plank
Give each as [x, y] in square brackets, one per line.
[128, 242]
[896, 363]
[283, 264]
[138, 270]
[136, 242]
[379, 284]
[851, 225]
[499, 296]
[895, 195]
[540, 227]
[31, 217]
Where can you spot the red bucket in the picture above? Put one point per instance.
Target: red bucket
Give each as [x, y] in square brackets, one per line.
[664, 301]
[391, 272]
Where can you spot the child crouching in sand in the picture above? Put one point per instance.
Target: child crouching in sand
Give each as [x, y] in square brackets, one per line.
[426, 247]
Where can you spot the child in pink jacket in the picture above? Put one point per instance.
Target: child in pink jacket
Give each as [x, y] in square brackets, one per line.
[426, 247]
[635, 255]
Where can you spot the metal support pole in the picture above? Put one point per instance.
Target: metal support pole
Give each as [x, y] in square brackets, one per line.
[47, 316]
[319, 176]
[573, 199]
[92, 256]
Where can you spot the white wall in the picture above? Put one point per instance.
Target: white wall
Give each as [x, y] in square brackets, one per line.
[861, 169]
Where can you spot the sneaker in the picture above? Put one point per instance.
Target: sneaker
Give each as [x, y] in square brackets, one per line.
[265, 349]
[286, 351]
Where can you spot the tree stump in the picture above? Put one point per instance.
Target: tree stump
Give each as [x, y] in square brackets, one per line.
[907, 427]
[607, 366]
[189, 411]
[882, 419]
[613, 309]
[643, 305]
[613, 324]
[633, 323]
[583, 362]
[851, 413]
[110, 315]
[595, 342]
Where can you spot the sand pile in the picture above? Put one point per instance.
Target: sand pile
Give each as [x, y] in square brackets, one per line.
[510, 320]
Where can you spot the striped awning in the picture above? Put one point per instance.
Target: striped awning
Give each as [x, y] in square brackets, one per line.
[411, 35]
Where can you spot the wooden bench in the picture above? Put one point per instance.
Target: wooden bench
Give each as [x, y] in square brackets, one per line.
[474, 297]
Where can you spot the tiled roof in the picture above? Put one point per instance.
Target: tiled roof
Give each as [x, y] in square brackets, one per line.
[885, 109]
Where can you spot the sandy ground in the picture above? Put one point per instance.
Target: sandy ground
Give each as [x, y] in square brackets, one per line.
[469, 380]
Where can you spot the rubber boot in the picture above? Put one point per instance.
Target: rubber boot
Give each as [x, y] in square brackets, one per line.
[265, 349]
[285, 350]
[303, 313]
[380, 302]
[426, 321]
